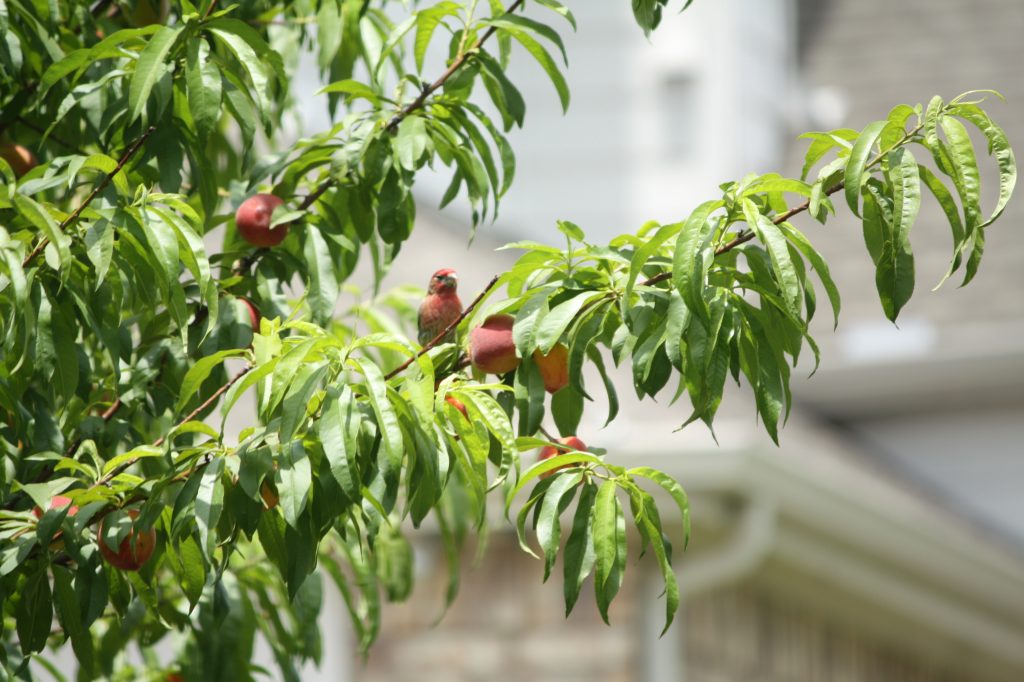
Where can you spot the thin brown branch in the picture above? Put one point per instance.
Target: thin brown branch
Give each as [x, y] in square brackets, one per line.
[444, 332]
[206, 403]
[746, 235]
[125, 158]
[70, 451]
[160, 441]
[106, 416]
[449, 72]
[420, 100]
[209, 10]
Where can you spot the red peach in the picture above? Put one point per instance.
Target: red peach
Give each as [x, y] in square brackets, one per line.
[254, 314]
[549, 451]
[253, 220]
[20, 158]
[135, 549]
[491, 348]
[57, 502]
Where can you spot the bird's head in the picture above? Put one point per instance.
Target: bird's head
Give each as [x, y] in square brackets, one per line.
[443, 281]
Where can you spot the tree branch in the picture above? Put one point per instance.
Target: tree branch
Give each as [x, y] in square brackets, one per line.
[129, 153]
[209, 10]
[420, 100]
[437, 339]
[206, 403]
[746, 235]
[160, 441]
[452, 68]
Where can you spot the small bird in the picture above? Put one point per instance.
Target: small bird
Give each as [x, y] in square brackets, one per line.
[440, 308]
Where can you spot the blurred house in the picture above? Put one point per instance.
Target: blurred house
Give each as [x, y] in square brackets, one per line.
[885, 539]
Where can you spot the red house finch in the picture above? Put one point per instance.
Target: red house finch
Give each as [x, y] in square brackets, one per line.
[440, 308]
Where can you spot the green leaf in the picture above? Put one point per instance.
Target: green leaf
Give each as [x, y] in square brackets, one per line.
[768, 391]
[199, 372]
[227, 31]
[191, 569]
[299, 398]
[952, 211]
[354, 89]
[339, 433]
[691, 262]
[609, 385]
[567, 410]
[163, 242]
[204, 87]
[548, 465]
[643, 254]
[530, 394]
[857, 163]
[645, 513]
[295, 481]
[999, 145]
[209, 504]
[895, 273]
[647, 14]
[822, 143]
[387, 420]
[773, 182]
[579, 555]
[800, 241]
[549, 525]
[539, 53]
[33, 611]
[40, 218]
[99, 245]
[609, 546]
[551, 328]
[672, 487]
[69, 612]
[323, 289]
[427, 21]
[965, 171]
[517, 20]
[394, 39]
[149, 68]
[136, 453]
[410, 142]
[503, 92]
[561, 9]
[778, 248]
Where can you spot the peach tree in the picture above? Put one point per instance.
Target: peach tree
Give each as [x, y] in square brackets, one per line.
[136, 317]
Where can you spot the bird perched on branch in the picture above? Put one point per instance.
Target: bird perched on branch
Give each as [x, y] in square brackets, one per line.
[440, 308]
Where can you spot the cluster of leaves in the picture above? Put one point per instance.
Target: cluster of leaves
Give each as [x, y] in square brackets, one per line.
[122, 332]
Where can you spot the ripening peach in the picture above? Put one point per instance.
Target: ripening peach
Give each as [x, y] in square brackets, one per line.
[491, 348]
[135, 549]
[554, 367]
[571, 443]
[20, 159]
[253, 221]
